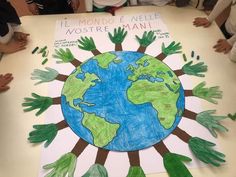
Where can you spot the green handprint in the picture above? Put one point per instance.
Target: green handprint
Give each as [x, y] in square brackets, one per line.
[96, 170]
[147, 38]
[233, 117]
[87, 44]
[64, 56]
[119, 35]
[44, 76]
[171, 49]
[211, 122]
[136, 171]
[37, 102]
[195, 69]
[174, 165]
[208, 94]
[65, 166]
[203, 150]
[43, 133]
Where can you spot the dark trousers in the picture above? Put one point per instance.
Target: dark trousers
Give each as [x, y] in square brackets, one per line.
[54, 7]
[224, 31]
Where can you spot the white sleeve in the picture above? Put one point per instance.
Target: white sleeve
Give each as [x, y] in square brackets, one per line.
[89, 5]
[133, 2]
[232, 40]
[232, 54]
[219, 7]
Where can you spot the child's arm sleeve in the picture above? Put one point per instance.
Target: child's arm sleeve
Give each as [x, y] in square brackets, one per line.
[89, 5]
[29, 1]
[218, 9]
[232, 40]
[133, 2]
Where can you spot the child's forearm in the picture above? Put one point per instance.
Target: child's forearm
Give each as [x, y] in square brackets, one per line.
[218, 9]
[232, 40]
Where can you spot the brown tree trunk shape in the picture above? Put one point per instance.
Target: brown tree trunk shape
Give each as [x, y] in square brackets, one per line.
[182, 134]
[61, 77]
[141, 49]
[118, 47]
[95, 52]
[189, 114]
[188, 93]
[79, 147]
[161, 148]
[61, 125]
[76, 63]
[134, 158]
[56, 100]
[161, 56]
[101, 156]
[179, 72]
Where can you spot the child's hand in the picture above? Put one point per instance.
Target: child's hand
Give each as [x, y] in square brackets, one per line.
[75, 5]
[19, 36]
[4, 81]
[33, 8]
[222, 46]
[201, 22]
[14, 46]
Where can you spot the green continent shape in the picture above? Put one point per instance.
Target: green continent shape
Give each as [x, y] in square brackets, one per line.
[105, 59]
[162, 97]
[152, 69]
[103, 132]
[75, 88]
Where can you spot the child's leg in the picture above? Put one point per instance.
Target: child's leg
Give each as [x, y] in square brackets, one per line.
[55, 7]
[224, 31]
[232, 54]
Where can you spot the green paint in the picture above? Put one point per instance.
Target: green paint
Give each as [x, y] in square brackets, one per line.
[44, 61]
[203, 150]
[211, 122]
[44, 76]
[96, 170]
[232, 116]
[147, 38]
[103, 132]
[75, 88]
[65, 166]
[86, 44]
[195, 69]
[119, 35]
[35, 50]
[209, 94]
[144, 91]
[105, 59]
[42, 49]
[64, 56]
[174, 165]
[173, 48]
[136, 172]
[184, 57]
[43, 133]
[37, 102]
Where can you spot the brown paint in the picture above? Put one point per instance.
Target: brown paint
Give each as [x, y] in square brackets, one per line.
[56, 100]
[118, 47]
[79, 147]
[61, 77]
[134, 158]
[161, 148]
[161, 56]
[101, 156]
[76, 63]
[189, 114]
[141, 49]
[179, 72]
[188, 93]
[182, 134]
[61, 125]
[95, 52]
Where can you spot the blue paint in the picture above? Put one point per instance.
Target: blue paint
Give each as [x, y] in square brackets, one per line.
[139, 124]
